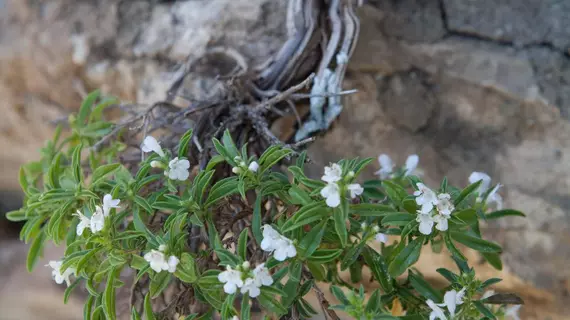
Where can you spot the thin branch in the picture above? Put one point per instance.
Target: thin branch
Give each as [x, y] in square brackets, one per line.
[283, 95]
[325, 304]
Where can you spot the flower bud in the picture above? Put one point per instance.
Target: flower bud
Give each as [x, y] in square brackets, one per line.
[350, 174]
[236, 170]
[242, 164]
[253, 166]
[162, 247]
[363, 225]
[245, 265]
[155, 164]
[376, 229]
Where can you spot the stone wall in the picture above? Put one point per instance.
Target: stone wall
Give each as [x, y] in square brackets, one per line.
[468, 85]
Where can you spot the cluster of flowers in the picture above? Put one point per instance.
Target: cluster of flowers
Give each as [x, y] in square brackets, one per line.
[387, 166]
[332, 191]
[428, 200]
[378, 236]
[251, 281]
[158, 261]
[97, 221]
[178, 169]
[242, 166]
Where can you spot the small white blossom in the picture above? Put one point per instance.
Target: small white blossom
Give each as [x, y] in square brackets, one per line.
[452, 299]
[231, 279]
[249, 286]
[253, 166]
[355, 190]
[425, 198]
[97, 221]
[172, 263]
[281, 246]
[493, 198]
[59, 277]
[109, 203]
[84, 222]
[441, 221]
[157, 260]
[150, 144]
[386, 166]
[436, 312]
[411, 164]
[426, 223]
[444, 205]
[331, 192]
[381, 237]
[261, 276]
[513, 312]
[332, 173]
[178, 169]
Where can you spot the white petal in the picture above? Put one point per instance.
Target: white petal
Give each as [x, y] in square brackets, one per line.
[172, 263]
[385, 162]
[380, 237]
[332, 173]
[426, 223]
[253, 166]
[513, 312]
[333, 200]
[230, 288]
[151, 144]
[449, 300]
[476, 176]
[411, 164]
[355, 190]
[437, 312]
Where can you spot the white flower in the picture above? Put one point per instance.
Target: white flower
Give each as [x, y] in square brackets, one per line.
[381, 237]
[425, 198]
[513, 312]
[249, 286]
[178, 169]
[231, 279]
[485, 183]
[58, 277]
[426, 223]
[234, 318]
[386, 166]
[84, 222]
[150, 144]
[253, 166]
[97, 221]
[436, 312]
[172, 263]
[109, 203]
[331, 193]
[355, 190]
[444, 206]
[441, 221]
[261, 276]
[493, 197]
[452, 299]
[157, 261]
[332, 173]
[281, 246]
[411, 164]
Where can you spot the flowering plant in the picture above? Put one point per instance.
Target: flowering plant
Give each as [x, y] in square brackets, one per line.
[241, 234]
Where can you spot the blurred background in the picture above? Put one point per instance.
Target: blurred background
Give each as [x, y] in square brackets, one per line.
[468, 85]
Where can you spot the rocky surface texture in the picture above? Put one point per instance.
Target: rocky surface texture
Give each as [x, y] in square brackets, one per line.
[468, 85]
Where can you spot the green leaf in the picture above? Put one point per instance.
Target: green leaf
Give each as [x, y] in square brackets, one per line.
[17, 215]
[292, 284]
[377, 265]
[35, 251]
[340, 228]
[23, 180]
[186, 270]
[184, 143]
[256, 220]
[97, 111]
[69, 290]
[242, 245]
[148, 308]
[504, 213]
[101, 172]
[398, 219]
[371, 209]
[490, 282]
[159, 283]
[245, 308]
[407, 257]
[54, 172]
[221, 189]
[83, 261]
[465, 217]
[494, 260]
[200, 184]
[466, 192]
[325, 255]
[350, 256]
[503, 298]
[76, 164]
[265, 163]
[307, 214]
[475, 243]
[424, 288]
[143, 203]
[484, 310]
[227, 258]
[312, 240]
[270, 304]
[85, 108]
[450, 276]
[109, 296]
[134, 314]
[452, 248]
[299, 196]
[339, 295]
[374, 304]
[395, 192]
[229, 144]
